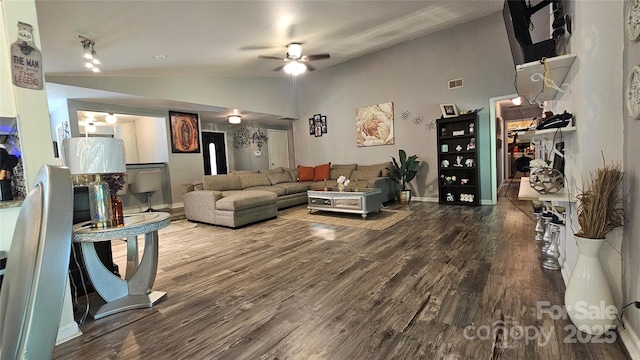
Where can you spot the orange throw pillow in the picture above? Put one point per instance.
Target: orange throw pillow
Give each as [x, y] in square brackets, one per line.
[305, 173]
[322, 172]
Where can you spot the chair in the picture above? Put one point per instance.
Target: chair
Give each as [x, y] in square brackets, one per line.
[147, 182]
[521, 165]
[33, 288]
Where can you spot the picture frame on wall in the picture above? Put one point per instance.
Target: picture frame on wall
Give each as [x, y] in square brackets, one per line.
[185, 133]
[312, 126]
[323, 124]
[317, 125]
[448, 110]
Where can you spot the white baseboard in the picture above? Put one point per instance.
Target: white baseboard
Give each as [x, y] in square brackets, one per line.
[67, 333]
[177, 205]
[630, 339]
[424, 199]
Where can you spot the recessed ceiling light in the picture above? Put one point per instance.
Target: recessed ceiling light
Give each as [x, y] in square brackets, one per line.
[160, 57]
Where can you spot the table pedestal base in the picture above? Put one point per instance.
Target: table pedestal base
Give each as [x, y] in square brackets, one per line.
[126, 303]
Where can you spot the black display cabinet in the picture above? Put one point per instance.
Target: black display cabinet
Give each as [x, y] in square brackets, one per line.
[458, 168]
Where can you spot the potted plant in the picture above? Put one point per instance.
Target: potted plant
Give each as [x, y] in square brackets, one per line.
[402, 171]
[599, 211]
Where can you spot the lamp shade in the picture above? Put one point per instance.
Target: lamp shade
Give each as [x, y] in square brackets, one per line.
[94, 155]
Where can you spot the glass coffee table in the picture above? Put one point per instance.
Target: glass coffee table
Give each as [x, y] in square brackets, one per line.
[363, 201]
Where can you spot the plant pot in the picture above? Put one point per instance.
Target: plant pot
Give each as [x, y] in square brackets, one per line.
[588, 297]
[404, 196]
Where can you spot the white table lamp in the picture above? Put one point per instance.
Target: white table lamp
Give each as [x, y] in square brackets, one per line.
[95, 156]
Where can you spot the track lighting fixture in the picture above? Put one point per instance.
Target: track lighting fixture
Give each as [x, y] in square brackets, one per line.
[89, 54]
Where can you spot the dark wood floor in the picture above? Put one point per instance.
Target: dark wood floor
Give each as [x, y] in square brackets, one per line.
[286, 289]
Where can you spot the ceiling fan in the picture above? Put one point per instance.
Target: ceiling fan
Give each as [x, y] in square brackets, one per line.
[295, 62]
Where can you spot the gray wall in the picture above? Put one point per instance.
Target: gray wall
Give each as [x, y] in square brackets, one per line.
[413, 76]
[631, 234]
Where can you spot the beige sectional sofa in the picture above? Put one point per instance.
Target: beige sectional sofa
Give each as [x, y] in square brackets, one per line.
[245, 197]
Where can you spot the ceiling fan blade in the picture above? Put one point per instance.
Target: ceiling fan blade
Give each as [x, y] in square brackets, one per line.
[269, 57]
[309, 67]
[278, 68]
[317, 57]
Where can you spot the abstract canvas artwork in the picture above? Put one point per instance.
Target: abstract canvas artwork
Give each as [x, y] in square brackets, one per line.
[374, 125]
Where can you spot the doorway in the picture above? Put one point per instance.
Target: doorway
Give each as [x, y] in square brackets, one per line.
[278, 144]
[510, 139]
[214, 150]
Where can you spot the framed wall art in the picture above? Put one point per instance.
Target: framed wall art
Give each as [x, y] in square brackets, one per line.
[185, 134]
[374, 125]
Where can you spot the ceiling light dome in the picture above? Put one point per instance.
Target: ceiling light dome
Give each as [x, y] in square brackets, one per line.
[294, 50]
[235, 119]
[111, 119]
[295, 68]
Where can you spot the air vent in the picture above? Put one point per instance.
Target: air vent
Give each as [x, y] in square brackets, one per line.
[455, 83]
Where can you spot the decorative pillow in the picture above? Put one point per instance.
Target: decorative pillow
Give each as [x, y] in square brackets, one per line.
[337, 170]
[305, 173]
[221, 182]
[321, 172]
[277, 178]
[198, 185]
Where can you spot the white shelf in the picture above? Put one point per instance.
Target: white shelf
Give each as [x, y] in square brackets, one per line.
[526, 192]
[530, 77]
[546, 134]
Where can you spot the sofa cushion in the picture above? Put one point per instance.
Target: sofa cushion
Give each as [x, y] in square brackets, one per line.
[277, 178]
[367, 172]
[278, 170]
[255, 179]
[238, 172]
[279, 191]
[294, 187]
[293, 172]
[338, 169]
[245, 199]
[305, 173]
[321, 172]
[221, 182]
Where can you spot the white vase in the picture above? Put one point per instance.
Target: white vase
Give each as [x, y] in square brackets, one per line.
[588, 298]
[340, 187]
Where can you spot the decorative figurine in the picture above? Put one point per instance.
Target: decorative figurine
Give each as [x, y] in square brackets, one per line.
[445, 163]
[458, 161]
[472, 144]
[458, 148]
[450, 197]
[469, 162]
[471, 125]
[464, 181]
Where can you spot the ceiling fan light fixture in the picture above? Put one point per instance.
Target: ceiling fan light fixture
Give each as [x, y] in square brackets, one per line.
[235, 119]
[295, 68]
[294, 50]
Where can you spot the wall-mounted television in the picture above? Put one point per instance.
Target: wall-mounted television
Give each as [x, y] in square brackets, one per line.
[517, 20]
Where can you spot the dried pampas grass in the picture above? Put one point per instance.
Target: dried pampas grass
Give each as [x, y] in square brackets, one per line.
[600, 208]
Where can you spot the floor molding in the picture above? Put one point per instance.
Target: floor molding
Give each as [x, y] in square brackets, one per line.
[67, 333]
[630, 339]
[424, 199]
